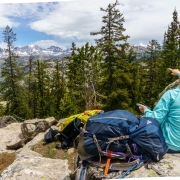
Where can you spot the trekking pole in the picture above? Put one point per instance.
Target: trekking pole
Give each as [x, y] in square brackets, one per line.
[130, 169]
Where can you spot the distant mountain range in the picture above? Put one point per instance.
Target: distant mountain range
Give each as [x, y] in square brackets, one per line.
[141, 51]
[54, 51]
[36, 51]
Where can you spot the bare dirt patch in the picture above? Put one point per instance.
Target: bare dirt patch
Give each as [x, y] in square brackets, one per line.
[6, 159]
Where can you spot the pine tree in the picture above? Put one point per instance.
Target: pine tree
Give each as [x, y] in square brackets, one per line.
[12, 85]
[171, 50]
[74, 97]
[41, 86]
[116, 77]
[29, 84]
[137, 86]
[58, 90]
[126, 85]
[92, 71]
[112, 33]
[152, 71]
[83, 72]
[73, 49]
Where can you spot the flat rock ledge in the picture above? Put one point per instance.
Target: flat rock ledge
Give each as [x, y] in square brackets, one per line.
[29, 165]
[11, 134]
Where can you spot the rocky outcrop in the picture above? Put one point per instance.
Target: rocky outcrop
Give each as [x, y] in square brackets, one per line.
[5, 120]
[28, 164]
[10, 135]
[31, 128]
[28, 130]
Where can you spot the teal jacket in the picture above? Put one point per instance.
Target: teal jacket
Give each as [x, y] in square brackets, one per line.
[167, 112]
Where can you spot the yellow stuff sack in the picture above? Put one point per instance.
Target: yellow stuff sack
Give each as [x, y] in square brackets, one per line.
[70, 127]
[83, 117]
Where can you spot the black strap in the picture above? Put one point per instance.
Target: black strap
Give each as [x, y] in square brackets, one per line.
[74, 122]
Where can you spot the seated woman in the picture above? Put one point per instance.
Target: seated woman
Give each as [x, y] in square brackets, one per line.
[167, 112]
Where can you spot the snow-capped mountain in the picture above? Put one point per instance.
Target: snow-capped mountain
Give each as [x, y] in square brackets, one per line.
[55, 51]
[36, 50]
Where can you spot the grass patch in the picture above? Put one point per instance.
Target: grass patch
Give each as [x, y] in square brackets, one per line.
[51, 151]
[72, 176]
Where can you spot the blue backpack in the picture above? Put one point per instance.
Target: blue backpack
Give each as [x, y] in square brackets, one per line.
[149, 138]
[124, 135]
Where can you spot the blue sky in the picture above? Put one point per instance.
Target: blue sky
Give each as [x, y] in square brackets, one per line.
[60, 23]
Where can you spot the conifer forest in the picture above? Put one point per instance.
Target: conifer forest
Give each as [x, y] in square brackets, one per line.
[105, 76]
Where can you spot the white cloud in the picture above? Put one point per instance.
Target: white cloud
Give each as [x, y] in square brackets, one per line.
[3, 45]
[147, 20]
[7, 21]
[144, 20]
[72, 19]
[11, 13]
[48, 43]
[141, 44]
[29, 1]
